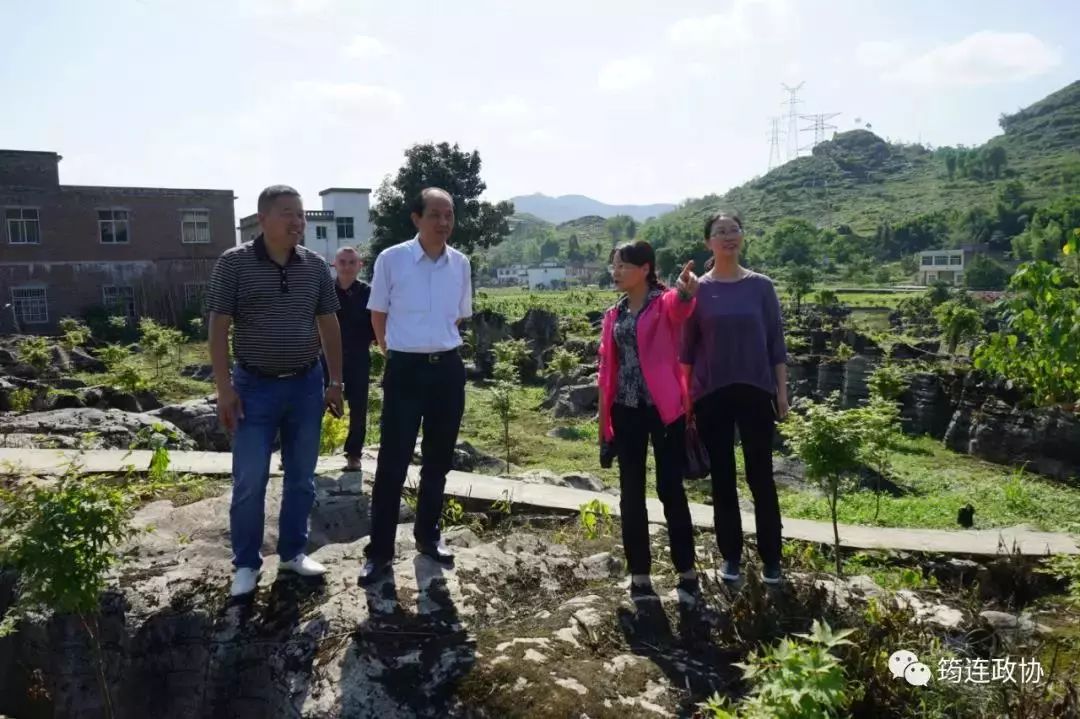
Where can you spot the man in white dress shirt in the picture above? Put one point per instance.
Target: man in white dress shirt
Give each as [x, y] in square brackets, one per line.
[420, 292]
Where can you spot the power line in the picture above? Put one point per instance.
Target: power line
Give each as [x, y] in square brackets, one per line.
[793, 119]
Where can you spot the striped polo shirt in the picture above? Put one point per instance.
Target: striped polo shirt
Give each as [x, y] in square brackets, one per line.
[273, 307]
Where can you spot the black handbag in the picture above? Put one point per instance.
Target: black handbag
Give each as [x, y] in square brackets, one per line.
[696, 463]
[607, 454]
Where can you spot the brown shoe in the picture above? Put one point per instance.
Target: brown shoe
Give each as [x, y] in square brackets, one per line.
[352, 464]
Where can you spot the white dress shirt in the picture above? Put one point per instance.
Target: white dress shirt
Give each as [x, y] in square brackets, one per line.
[422, 298]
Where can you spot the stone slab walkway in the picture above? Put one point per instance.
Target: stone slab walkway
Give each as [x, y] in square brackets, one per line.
[466, 485]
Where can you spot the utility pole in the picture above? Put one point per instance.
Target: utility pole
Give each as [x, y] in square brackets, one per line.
[775, 159]
[793, 119]
[819, 124]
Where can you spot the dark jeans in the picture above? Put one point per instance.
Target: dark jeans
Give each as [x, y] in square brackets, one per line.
[634, 427]
[416, 390]
[292, 406]
[751, 409]
[356, 374]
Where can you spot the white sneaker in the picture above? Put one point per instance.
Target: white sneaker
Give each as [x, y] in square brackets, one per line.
[244, 581]
[303, 565]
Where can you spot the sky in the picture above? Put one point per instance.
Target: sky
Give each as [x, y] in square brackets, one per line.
[627, 101]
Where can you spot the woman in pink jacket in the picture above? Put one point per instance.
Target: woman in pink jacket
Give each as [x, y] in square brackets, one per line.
[643, 396]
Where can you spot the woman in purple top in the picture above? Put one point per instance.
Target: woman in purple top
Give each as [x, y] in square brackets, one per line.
[734, 354]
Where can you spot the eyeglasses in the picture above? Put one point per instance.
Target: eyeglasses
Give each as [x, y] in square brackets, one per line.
[725, 231]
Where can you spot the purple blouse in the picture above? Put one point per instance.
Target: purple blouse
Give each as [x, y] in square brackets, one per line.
[735, 335]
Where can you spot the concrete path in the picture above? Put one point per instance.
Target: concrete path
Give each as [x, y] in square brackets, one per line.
[466, 485]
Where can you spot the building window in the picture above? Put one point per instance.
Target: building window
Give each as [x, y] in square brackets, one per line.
[22, 226]
[345, 228]
[113, 227]
[195, 227]
[194, 295]
[119, 300]
[31, 304]
[941, 259]
[956, 260]
[927, 260]
[320, 232]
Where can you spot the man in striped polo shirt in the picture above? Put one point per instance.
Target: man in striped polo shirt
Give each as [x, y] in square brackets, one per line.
[278, 297]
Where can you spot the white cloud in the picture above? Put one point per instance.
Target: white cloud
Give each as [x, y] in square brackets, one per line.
[363, 47]
[879, 53]
[982, 58]
[625, 74]
[746, 22]
[279, 8]
[353, 93]
[537, 139]
[507, 108]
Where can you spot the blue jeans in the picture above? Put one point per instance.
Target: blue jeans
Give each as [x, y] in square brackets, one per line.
[294, 406]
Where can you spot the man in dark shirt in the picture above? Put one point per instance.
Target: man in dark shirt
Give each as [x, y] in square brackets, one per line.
[278, 297]
[356, 339]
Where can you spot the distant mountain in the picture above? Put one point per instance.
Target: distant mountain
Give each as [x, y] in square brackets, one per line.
[570, 207]
[858, 181]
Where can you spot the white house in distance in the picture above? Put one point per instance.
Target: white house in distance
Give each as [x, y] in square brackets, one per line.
[342, 221]
[512, 275]
[545, 274]
[946, 265]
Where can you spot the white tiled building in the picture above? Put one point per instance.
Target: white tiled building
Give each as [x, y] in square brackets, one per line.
[946, 265]
[342, 221]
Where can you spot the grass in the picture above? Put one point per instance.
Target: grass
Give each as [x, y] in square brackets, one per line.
[941, 482]
[169, 386]
[531, 448]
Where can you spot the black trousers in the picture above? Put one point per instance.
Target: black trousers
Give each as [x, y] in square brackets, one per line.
[356, 374]
[357, 377]
[418, 390]
[751, 409]
[634, 427]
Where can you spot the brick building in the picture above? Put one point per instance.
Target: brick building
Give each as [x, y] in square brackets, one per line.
[66, 250]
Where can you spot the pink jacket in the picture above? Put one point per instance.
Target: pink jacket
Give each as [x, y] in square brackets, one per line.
[659, 333]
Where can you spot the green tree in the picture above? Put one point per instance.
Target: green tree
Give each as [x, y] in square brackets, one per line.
[950, 163]
[477, 224]
[573, 250]
[828, 440]
[1039, 338]
[985, 274]
[666, 262]
[793, 242]
[549, 249]
[958, 323]
[800, 283]
[996, 160]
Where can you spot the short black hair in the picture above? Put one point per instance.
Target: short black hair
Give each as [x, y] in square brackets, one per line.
[419, 203]
[270, 194]
[711, 219]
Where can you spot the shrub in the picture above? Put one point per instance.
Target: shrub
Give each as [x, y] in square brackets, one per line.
[21, 399]
[595, 518]
[827, 440]
[35, 351]
[791, 680]
[75, 333]
[889, 381]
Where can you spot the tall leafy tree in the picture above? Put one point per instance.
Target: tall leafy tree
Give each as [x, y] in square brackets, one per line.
[477, 224]
[800, 283]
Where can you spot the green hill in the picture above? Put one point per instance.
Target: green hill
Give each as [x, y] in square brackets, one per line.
[858, 181]
[593, 237]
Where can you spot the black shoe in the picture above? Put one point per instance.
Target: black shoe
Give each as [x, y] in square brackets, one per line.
[689, 591]
[642, 593]
[373, 570]
[436, 550]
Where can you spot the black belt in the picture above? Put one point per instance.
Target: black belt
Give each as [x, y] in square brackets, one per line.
[430, 357]
[278, 374]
